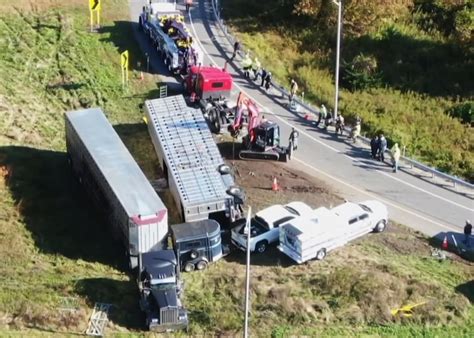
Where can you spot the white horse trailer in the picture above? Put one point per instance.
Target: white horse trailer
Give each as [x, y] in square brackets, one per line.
[305, 238]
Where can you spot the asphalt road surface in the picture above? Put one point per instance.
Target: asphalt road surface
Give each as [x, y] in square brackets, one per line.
[348, 168]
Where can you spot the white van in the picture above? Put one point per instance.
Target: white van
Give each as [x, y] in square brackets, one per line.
[305, 238]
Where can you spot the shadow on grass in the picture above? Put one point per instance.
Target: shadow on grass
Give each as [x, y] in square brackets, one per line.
[455, 244]
[123, 295]
[119, 34]
[55, 208]
[271, 257]
[467, 289]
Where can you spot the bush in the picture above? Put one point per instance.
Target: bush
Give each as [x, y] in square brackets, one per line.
[360, 73]
[462, 111]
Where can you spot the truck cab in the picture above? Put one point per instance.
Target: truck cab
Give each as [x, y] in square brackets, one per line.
[208, 83]
[160, 292]
[197, 244]
[264, 226]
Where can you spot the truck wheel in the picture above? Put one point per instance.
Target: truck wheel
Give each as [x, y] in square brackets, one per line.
[321, 254]
[380, 227]
[201, 265]
[261, 246]
[189, 267]
[214, 123]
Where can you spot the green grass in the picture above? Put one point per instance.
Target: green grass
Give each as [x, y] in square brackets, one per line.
[424, 76]
[53, 244]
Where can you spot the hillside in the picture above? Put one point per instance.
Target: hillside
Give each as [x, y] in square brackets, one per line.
[406, 67]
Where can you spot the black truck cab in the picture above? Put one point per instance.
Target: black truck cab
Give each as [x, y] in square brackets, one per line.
[197, 244]
[160, 291]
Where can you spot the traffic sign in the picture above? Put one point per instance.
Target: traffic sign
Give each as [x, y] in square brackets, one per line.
[94, 5]
[124, 59]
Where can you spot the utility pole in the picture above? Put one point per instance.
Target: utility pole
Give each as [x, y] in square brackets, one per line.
[338, 51]
[247, 276]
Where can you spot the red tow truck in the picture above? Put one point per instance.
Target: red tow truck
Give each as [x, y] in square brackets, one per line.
[210, 88]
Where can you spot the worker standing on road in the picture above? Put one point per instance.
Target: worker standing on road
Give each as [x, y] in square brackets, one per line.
[236, 49]
[467, 233]
[395, 151]
[293, 139]
[382, 147]
[247, 65]
[374, 146]
[256, 68]
[268, 81]
[322, 115]
[293, 89]
[263, 75]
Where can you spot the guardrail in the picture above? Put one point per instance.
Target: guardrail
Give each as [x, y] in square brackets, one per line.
[284, 93]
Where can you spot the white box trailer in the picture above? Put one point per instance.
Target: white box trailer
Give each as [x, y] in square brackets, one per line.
[199, 181]
[115, 183]
[305, 238]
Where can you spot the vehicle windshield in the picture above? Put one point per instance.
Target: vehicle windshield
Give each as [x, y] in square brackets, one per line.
[163, 287]
[293, 211]
[365, 208]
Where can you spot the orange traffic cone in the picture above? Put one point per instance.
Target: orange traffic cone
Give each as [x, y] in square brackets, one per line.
[445, 243]
[275, 184]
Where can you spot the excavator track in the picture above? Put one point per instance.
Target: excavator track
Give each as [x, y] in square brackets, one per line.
[257, 155]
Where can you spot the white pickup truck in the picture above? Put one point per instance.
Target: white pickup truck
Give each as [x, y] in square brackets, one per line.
[305, 238]
[265, 225]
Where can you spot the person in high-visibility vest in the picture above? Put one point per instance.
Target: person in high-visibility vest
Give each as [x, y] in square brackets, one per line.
[247, 65]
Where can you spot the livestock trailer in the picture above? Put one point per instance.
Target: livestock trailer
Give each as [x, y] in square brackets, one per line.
[114, 183]
[198, 178]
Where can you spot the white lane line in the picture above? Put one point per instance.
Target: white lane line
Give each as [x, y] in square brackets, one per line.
[313, 138]
[376, 197]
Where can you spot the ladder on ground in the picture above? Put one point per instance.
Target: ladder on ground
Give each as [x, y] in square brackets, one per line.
[98, 320]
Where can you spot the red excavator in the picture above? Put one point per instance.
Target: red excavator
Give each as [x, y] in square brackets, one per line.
[262, 138]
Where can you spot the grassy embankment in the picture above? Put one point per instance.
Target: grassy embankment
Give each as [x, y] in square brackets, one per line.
[422, 75]
[53, 245]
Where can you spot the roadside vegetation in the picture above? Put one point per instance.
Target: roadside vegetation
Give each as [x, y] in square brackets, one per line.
[406, 67]
[58, 258]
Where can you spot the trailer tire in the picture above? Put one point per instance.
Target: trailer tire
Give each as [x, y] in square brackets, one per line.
[380, 227]
[214, 123]
[261, 246]
[201, 265]
[188, 267]
[321, 254]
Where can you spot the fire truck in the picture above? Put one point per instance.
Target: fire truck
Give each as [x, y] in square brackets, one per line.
[164, 25]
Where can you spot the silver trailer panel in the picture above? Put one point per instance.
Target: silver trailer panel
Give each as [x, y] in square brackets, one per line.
[114, 180]
[190, 155]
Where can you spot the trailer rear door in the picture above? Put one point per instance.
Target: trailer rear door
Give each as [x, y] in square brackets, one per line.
[147, 233]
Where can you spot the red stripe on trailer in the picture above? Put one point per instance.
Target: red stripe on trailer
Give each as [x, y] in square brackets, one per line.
[158, 218]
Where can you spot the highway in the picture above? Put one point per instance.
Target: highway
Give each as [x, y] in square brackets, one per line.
[347, 168]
